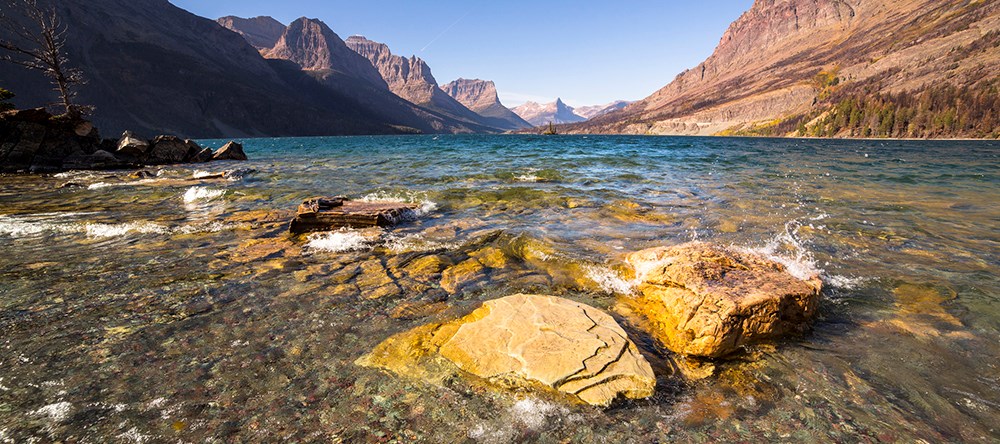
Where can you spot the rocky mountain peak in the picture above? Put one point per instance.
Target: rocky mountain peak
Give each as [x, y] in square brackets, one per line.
[262, 32]
[313, 46]
[556, 112]
[481, 96]
[473, 93]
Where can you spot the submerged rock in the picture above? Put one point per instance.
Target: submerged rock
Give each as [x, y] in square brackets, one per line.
[525, 341]
[705, 300]
[462, 275]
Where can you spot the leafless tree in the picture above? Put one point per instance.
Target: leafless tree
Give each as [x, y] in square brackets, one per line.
[38, 42]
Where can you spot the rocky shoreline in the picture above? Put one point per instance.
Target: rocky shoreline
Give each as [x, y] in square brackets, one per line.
[703, 302]
[35, 141]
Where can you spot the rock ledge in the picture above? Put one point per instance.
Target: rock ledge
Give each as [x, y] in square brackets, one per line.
[529, 341]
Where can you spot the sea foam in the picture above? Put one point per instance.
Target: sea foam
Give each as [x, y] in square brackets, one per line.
[340, 241]
[426, 206]
[195, 194]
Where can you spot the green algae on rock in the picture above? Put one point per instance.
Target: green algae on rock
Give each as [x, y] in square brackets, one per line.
[525, 341]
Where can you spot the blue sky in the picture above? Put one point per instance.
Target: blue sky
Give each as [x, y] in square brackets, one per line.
[586, 52]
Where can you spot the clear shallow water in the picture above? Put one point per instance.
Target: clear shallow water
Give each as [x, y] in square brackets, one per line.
[173, 309]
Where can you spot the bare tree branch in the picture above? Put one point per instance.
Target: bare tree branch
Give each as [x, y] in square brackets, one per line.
[41, 49]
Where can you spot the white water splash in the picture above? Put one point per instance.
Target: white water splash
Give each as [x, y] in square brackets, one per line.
[527, 178]
[18, 227]
[195, 194]
[103, 185]
[426, 206]
[414, 243]
[533, 413]
[117, 230]
[610, 281]
[787, 249]
[845, 282]
[340, 241]
[37, 224]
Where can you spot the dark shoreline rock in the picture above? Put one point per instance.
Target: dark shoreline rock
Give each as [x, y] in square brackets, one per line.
[35, 141]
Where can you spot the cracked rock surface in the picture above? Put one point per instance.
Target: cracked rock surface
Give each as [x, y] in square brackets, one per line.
[526, 341]
[706, 300]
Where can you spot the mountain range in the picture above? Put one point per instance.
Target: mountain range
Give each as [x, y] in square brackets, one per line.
[825, 68]
[559, 112]
[543, 114]
[154, 68]
[840, 68]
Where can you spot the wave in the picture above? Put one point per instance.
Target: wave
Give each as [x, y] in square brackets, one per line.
[610, 281]
[195, 194]
[18, 227]
[95, 230]
[341, 241]
[426, 206]
[414, 243]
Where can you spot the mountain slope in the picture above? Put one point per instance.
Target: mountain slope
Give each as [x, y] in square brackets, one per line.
[481, 97]
[556, 112]
[312, 48]
[262, 32]
[154, 68]
[784, 65]
[411, 79]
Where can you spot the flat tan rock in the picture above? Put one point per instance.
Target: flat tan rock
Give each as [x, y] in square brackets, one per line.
[706, 300]
[525, 341]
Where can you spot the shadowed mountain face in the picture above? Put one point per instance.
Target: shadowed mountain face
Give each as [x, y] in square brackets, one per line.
[154, 68]
[411, 79]
[785, 63]
[481, 96]
[262, 32]
[556, 112]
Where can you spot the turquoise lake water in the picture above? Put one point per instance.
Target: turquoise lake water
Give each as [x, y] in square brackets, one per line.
[177, 309]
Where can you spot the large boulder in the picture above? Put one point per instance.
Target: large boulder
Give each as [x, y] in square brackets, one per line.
[706, 300]
[202, 156]
[132, 146]
[525, 342]
[170, 150]
[230, 151]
